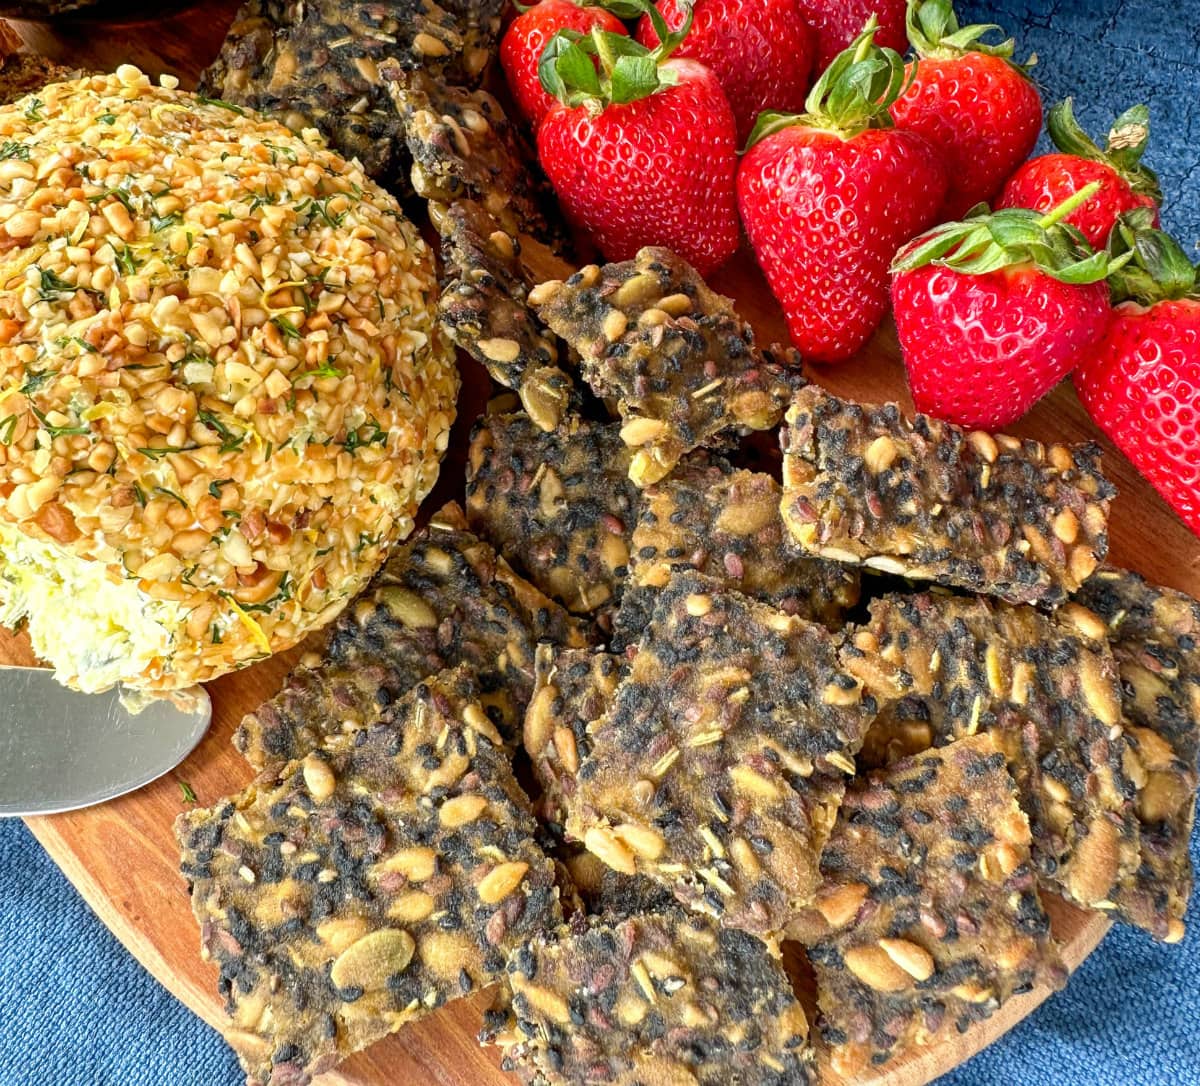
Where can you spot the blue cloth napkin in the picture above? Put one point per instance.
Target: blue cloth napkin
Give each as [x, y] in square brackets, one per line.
[77, 1010]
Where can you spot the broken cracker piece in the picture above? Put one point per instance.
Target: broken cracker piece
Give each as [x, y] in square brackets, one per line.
[926, 499]
[930, 907]
[719, 768]
[681, 365]
[363, 886]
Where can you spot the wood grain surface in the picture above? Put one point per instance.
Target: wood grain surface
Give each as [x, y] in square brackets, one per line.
[122, 856]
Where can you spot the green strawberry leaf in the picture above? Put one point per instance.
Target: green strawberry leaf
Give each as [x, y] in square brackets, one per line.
[934, 31]
[1157, 267]
[633, 78]
[986, 243]
[567, 70]
[626, 9]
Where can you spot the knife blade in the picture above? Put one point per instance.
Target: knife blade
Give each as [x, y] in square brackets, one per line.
[61, 750]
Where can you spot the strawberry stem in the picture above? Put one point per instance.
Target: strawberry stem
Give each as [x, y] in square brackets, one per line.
[1157, 268]
[1076, 199]
[934, 32]
[1127, 140]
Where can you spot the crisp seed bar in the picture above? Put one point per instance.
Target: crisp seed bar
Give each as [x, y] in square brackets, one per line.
[316, 64]
[443, 598]
[558, 505]
[930, 904]
[483, 310]
[665, 999]
[1047, 692]
[601, 890]
[925, 499]
[464, 148]
[679, 362]
[719, 768]
[572, 688]
[357, 889]
[726, 525]
[1156, 641]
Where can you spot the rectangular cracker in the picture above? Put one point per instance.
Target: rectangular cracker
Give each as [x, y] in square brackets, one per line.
[726, 524]
[316, 64]
[1155, 635]
[932, 914]
[483, 310]
[719, 768]
[680, 364]
[1047, 692]
[925, 499]
[381, 876]
[444, 597]
[654, 998]
[558, 505]
[572, 688]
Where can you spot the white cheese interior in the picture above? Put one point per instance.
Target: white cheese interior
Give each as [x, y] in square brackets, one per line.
[94, 631]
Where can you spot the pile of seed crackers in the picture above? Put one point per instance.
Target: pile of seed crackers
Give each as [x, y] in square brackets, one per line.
[637, 713]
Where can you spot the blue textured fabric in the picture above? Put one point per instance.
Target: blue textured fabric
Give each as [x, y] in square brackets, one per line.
[77, 1010]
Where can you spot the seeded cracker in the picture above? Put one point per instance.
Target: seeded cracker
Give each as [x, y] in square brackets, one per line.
[383, 875]
[726, 525]
[315, 63]
[931, 904]
[443, 598]
[719, 768]
[558, 505]
[483, 310]
[1047, 692]
[660, 999]
[464, 148]
[573, 687]
[1156, 641]
[679, 362]
[925, 499]
[26, 73]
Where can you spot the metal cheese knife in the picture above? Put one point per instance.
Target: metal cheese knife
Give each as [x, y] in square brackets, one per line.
[61, 750]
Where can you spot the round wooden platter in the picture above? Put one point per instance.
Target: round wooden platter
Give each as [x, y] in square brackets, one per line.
[122, 856]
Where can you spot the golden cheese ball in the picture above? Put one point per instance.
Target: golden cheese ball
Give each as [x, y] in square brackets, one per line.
[223, 389]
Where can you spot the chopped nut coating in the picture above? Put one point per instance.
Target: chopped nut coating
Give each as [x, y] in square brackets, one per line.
[1048, 695]
[719, 768]
[654, 999]
[387, 873]
[929, 917]
[925, 499]
[679, 362]
[443, 598]
[1156, 641]
[558, 505]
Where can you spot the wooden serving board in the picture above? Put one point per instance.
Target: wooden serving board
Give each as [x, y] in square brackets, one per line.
[122, 856]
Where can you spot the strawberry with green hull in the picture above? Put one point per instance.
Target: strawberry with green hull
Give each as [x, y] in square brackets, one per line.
[836, 23]
[827, 197]
[1142, 383]
[760, 50]
[971, 101]
[994, 311]
[642, 151]
[1124, 182]
[526, 38]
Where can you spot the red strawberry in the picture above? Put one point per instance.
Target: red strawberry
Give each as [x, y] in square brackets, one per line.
[642, 152]
[978, 108]
[1125, 183]
[837, 23]
[828, 197]
[760, 50]
[526, 37]
[993, 312]
[1142, 383]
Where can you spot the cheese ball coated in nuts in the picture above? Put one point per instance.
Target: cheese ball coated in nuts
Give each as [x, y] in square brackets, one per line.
[223, 390]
